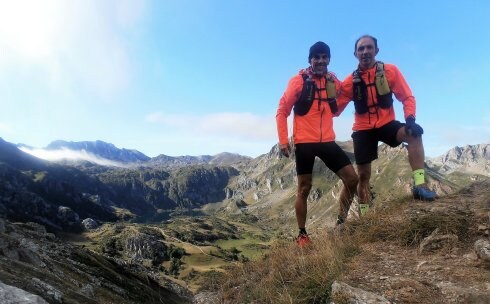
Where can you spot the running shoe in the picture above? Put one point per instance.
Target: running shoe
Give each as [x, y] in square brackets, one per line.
[303, 240]
[421, 192]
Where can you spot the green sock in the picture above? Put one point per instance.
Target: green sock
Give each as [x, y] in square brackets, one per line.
[418, 176]
[363, 208]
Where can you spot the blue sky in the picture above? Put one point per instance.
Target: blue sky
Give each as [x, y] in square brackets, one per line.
[201, 77]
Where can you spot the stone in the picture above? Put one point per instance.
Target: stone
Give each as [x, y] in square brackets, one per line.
[68, 216]
[482, 249]
[435, 241]
[90, 224]
[13, 295]
[55, 295]
[343, 293]
[88, 290]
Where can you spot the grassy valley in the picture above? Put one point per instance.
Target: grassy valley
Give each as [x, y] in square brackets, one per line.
[184, 249]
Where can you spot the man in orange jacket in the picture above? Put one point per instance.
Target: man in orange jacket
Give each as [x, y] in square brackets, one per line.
[312, 93]
[371, 87]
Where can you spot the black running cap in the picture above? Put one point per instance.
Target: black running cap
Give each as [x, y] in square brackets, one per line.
[319, 48]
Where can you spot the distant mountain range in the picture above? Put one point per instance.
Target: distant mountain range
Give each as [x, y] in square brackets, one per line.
[221, 159]
[469, 159]
[62, 194]
[99, 151]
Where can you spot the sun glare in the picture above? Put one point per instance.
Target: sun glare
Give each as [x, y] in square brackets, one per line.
[30, 28]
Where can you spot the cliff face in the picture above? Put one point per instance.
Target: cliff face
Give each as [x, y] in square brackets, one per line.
[473, 159]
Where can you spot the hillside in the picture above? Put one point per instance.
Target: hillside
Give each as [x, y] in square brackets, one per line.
[404, 251]
[471, 159]
[41, 263]
[184, 221]
[62, 195]
[267, 186]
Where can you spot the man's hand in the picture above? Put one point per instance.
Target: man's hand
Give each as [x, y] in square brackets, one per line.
[285, 149]
[411, 128]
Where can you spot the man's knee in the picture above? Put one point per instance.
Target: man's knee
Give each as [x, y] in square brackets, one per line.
[402, 136]
[351, 181]
[364, 175]
[304, 189]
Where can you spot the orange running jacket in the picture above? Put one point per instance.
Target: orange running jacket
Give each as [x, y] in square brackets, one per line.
[377, 117]
[316, 125]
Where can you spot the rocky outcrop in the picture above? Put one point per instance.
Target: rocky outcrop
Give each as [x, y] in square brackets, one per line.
[482, 249]
[473, 159]
[90, 224]
[343, 293]
[196, 186]
[206, 297]
[14, 295]
[437, 241]
[68, 217]
[142, 246]
[43, 265]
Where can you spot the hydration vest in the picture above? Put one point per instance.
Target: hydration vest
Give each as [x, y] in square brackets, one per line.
[305, 100]
[360, 92]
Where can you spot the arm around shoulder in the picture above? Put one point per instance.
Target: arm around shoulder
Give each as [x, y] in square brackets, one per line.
[344, 95]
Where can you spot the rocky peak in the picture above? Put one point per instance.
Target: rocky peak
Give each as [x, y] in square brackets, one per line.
[471, 159]
[101, 149]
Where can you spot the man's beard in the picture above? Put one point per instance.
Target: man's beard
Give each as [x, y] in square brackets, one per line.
[320, 70]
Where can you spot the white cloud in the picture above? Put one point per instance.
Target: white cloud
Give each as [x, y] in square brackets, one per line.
[75, 43]
[245, 126]
[66, 154]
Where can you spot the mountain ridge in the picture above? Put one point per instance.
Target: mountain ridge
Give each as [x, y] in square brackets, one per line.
[98, 151]
[100, 148]
[469, 158]
[256, 197]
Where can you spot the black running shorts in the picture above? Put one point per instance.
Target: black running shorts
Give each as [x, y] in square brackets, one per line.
[366, 141]
[329, 152]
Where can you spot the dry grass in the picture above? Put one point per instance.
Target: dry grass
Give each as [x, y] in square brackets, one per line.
[288, 274]
[407, 226]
